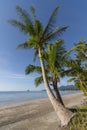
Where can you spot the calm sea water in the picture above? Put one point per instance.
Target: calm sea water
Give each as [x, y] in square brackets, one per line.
[7, 98]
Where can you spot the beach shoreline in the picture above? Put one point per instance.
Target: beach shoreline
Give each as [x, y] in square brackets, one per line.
[36, 114]
[10, 98]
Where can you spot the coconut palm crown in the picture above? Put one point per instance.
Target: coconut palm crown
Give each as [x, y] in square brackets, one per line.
[38, 36]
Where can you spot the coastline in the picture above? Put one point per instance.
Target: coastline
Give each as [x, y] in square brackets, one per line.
[14, 97]
[35, 115]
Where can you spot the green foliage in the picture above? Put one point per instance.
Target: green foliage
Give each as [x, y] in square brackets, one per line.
[55, 57]
[76, 67]
[81, 49]
[33, 26]
[79, 122]
[51, 21]
[38, 36]
[38, 80]
[32, 68]
[54, 62]
[33, 11]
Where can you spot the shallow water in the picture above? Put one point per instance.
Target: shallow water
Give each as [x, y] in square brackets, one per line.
[11, 97]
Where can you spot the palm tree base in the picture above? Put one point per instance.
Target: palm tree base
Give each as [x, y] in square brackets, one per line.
[63, 113]
[65, 121]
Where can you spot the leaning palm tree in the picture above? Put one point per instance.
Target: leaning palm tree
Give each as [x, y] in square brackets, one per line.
[56, 60]
[54, 64]
[38, 38]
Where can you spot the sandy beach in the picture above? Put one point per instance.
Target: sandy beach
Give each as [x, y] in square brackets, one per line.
[35, 115]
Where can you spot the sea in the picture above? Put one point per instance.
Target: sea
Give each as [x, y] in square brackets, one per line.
[12, 97]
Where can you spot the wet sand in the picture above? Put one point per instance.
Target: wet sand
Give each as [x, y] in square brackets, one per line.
[35, 115]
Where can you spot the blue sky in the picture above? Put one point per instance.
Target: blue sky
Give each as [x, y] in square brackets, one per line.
[72, 13]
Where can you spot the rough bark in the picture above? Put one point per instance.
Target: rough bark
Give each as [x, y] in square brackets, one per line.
[64, 114]
[58, 96]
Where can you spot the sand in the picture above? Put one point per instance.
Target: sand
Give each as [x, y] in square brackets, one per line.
[35, 115]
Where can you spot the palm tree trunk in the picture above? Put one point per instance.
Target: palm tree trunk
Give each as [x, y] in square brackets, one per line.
[64, 114]
[58, 96]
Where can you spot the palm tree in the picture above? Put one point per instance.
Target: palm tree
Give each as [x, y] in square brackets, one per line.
[38, 38]
[54, 63]
[76, 67]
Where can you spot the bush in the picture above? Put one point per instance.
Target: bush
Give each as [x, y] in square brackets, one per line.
[79, 122]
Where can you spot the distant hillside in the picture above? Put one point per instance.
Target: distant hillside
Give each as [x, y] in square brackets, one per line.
[63, 88]
[68, 87]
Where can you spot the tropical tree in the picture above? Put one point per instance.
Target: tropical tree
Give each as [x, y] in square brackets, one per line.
[76, 67]
[39, 36]
[54, 63]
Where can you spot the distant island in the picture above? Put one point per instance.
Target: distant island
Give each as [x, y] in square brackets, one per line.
[66, 87]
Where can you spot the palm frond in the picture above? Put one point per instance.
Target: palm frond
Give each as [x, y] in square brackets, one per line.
[33, 11]
[30, 44]
[80, 48]
[51, 21]
[31, 68]
[38, 28]
[24, 15]
[55, 33]
[70, 80]
[26, 25]
[59, 46]
[18, 24]
[67, 72]
[24, 46]
[71, 50]
[38, 80]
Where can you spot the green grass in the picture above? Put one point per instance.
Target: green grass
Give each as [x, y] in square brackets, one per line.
[79, 122]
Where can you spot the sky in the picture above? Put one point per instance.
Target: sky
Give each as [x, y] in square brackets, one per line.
[72, 13]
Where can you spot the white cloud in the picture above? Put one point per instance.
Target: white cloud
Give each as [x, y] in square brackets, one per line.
[14, 75]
